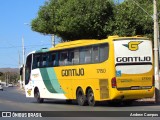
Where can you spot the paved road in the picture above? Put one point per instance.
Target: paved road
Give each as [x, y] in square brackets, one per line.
[13, 99]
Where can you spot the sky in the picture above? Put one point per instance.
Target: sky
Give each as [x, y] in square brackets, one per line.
[119, 1]
[16, 16]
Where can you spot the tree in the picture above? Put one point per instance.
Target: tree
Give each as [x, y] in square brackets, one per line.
[75, 19]
[131, 20]
[94, 19]
[1, 73]
[13, 77]
[43, 23]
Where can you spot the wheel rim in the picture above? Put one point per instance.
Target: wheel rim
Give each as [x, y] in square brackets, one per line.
[80, 98]
[91, 101]
[91, 98]
[37, 95]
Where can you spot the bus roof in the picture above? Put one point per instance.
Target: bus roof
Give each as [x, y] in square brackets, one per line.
[84, 42]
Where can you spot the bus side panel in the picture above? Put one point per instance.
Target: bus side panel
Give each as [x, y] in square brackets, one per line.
[72, 77]
[94, 76]
[46, 82]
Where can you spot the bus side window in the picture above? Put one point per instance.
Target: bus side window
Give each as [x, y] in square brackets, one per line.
[52, 60]
[104, 52]
[95, 54]
[88, 55]
[73, 57]
[45, 60]
[82, 55]
[85, 55]
[38, 61]
[76, 56]
[63, 58]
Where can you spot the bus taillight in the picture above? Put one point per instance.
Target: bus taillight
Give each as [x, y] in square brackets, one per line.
[114, 84]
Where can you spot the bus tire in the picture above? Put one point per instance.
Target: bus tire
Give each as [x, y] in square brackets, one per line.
[90, 98]
[37, 96]
[81, 98]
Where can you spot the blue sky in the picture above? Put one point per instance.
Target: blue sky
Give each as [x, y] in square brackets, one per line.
[14, 15]
[119, 1]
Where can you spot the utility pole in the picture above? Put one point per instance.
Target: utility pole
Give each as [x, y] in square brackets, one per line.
[6, 77]
[7, 74]
[9, 78]
[156, 54]
[23, 54]
[53, 40]
[20, 77]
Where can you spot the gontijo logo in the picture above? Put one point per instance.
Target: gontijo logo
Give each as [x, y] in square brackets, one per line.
[133, 45]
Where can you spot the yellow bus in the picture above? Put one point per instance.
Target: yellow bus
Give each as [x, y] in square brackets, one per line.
[90, 71]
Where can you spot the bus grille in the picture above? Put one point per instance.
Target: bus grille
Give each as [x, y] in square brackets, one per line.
[104, 91]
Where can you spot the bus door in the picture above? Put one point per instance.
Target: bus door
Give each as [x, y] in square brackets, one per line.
[133, 64]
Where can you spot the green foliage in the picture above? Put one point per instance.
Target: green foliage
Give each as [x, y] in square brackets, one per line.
[85, 19]
[13, 77]
[43, 23]
[1, 73]
[94, 19]
[131, 20]
[75, 19]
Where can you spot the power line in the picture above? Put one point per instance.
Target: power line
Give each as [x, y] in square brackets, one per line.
[142, 9]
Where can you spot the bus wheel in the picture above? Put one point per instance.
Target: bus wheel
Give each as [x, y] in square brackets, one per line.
[90, 98]
[81, 98]
[37, 96]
